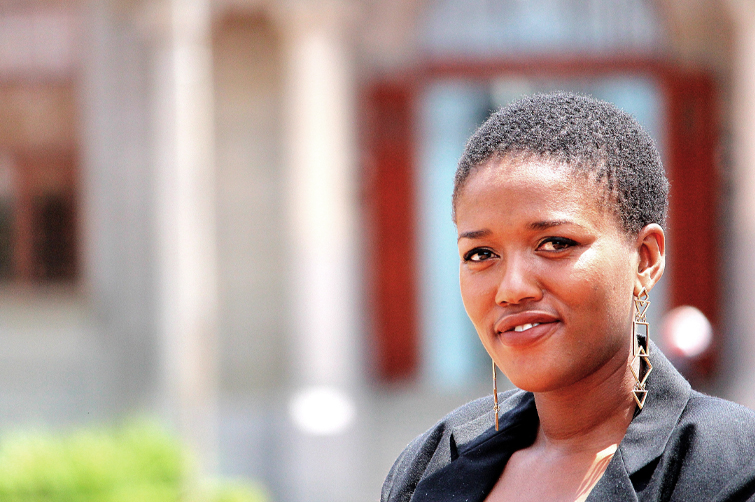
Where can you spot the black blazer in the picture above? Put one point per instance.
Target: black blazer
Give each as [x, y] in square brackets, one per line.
[683, 446]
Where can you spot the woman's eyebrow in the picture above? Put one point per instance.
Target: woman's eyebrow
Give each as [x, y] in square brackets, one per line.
[543, 225]
[473, 234]
[537, 225]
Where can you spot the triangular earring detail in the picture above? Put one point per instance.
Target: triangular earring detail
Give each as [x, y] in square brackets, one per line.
[641, 348]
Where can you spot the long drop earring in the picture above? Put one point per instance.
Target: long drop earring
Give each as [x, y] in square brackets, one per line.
[496, 409]
[641, 347]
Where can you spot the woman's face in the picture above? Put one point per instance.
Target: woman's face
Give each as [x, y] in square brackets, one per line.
[547, 273]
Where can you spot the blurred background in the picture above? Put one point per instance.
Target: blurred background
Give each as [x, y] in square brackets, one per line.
[233, 216]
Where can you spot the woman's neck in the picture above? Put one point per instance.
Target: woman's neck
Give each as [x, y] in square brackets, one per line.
[592, 414]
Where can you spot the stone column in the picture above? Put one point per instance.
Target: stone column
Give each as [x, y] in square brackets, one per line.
[117, 200]
[182, 118]
[740, 291]
[322, 251]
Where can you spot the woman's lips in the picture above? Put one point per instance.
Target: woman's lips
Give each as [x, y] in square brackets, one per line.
[526, 327]
[515, 338]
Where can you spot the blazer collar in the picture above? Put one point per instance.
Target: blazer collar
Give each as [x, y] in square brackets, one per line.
[648, 433]
[651, 428]
[479, 452]
[515, 406]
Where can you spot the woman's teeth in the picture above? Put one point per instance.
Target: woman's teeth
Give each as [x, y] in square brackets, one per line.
[525, 327]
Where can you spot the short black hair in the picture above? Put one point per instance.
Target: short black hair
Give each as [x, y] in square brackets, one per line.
[589, 136]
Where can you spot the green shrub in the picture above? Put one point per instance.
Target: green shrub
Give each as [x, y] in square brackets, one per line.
[138, 461]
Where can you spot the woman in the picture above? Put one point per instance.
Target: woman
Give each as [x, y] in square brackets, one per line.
[559, 202]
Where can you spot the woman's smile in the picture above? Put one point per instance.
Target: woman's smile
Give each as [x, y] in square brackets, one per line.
[528, 334]
[547, 272]
[525, 327]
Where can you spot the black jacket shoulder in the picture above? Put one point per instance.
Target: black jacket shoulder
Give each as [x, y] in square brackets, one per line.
[709, 456]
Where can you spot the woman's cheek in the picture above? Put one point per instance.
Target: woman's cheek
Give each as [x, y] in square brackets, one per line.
[476, 292]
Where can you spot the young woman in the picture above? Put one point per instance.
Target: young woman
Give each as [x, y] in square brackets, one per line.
[560, 202]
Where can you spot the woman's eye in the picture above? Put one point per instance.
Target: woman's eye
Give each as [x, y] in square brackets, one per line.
[556, 244]
[478, 255]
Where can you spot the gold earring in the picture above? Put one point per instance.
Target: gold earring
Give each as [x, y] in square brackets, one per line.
[641, 347]
[496, 409]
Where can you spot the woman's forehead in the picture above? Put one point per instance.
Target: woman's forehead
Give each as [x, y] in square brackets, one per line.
[540, 174]
[533, 190]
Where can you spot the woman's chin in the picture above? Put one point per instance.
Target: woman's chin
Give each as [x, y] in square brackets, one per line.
[543, 374]
[533, 381]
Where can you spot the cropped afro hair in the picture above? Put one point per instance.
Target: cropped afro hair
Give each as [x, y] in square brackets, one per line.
[590, 137]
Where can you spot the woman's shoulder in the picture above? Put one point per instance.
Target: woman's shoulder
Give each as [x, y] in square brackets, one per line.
[712, 450]
[721, 422]
[718, 425]
[435, 448]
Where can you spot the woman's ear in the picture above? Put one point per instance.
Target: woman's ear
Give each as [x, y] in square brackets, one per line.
[651, 248]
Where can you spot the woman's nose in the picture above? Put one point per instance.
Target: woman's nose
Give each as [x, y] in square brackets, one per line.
[517, 284]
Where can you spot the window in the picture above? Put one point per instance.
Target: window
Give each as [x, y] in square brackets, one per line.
[38, 232]
[39, 55]
[37, 218]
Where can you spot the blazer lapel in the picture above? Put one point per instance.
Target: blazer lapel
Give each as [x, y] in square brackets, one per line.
[471, 475]
[614, 484]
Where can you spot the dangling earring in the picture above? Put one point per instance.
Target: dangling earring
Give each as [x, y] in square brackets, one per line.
[495, 397]
[641, 347]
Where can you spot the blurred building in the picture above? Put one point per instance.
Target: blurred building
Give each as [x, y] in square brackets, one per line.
[235, 214]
